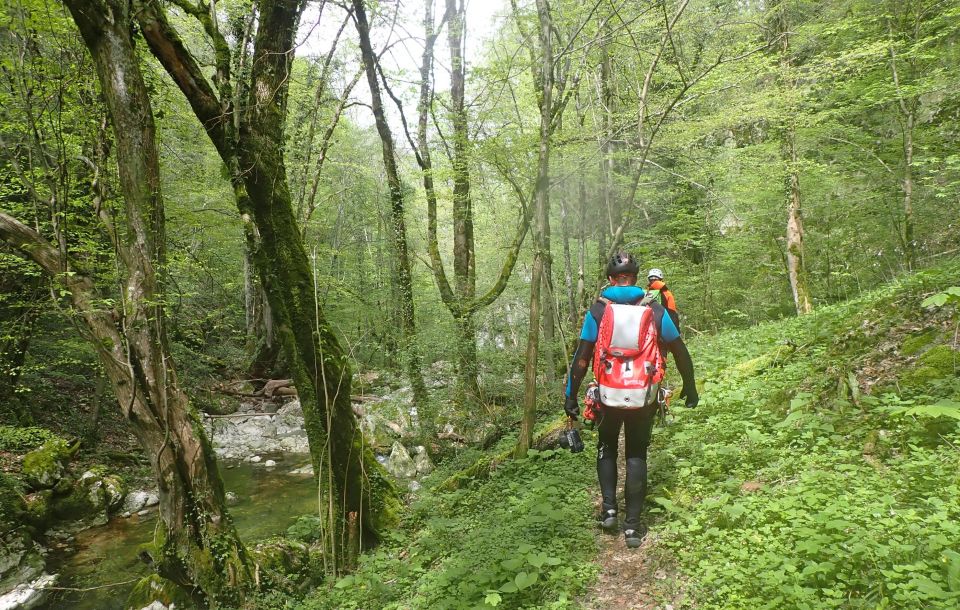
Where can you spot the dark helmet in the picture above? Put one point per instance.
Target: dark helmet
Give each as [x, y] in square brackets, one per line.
[622, 263]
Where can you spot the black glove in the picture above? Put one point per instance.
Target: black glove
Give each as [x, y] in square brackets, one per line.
[570, 407]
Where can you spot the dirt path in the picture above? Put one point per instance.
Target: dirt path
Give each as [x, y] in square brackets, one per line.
[631, 579]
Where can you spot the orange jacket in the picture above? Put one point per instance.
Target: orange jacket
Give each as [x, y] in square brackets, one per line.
[668, 300]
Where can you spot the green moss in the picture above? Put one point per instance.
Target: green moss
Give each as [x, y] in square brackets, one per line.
[915, 343]
[38, 508]
[942, 358]
[156, 588]
[43, 467]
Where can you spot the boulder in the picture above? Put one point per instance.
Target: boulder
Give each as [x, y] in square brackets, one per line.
[27, 596]
[422, 462]
[138, 500]
[88, 503]
[400, 464]
[45, 466]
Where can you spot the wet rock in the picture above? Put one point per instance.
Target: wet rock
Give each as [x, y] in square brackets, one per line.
[231, 498]
[270, 463]
[306, 469]
[254, 459]
[400, 464]
[26, 596]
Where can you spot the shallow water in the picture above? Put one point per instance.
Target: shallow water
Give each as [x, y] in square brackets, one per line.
[270, 499]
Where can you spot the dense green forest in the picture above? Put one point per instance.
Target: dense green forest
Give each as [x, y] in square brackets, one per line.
[289, 291]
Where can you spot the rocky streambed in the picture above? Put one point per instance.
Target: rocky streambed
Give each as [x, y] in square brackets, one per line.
[82, 530]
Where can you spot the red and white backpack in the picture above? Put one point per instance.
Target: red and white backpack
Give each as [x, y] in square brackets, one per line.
[627, 362]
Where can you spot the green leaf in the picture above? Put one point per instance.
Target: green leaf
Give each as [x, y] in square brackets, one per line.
[492, 599]
[525, 579]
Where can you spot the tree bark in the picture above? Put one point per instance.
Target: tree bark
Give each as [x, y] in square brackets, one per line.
[198, 547]
[544, 76]
[398, 227]
[795, 259]
[356, 490]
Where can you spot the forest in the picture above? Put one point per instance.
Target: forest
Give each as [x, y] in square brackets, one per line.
[293, 292]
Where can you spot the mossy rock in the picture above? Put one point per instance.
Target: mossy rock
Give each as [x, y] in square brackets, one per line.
[45, 466]
[284, 564]
[914, 344]
[155, 588]
[88, 500]
[943, 359]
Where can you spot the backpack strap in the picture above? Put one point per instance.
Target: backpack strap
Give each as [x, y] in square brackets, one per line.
[597, 309]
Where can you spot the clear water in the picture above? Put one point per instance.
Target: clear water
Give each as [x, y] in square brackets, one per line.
[270, 499]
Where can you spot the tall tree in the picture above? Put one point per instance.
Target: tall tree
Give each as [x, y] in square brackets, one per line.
[461, 299]
[796, 266]
[359, 500]
[398, 226]
[197, 546]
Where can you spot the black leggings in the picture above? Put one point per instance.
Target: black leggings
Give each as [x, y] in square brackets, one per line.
[637, 425]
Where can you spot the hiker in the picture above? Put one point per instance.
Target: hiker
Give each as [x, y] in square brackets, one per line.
[664, 295]
[615, 409]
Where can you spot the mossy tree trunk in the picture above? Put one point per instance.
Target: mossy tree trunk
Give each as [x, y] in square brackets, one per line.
[197, 546]
[358, 500]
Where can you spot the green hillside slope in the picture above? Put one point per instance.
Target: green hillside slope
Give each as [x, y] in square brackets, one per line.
[823, 467]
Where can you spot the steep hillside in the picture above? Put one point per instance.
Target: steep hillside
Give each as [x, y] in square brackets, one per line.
[822, 469]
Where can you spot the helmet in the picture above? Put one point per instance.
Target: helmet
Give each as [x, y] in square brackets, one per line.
[622, 263]
[655, 274]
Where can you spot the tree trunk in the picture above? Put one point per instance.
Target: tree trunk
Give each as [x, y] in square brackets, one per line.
[398, 228]
[356, 490]
[468, 389]
[796, 268]
[197, 546]
[544, 76]
[908, 239]
[568, 263]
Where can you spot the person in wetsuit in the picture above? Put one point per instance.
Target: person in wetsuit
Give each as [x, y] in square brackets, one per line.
[622, 270]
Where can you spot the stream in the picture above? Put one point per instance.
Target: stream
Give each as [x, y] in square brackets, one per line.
[270, 499]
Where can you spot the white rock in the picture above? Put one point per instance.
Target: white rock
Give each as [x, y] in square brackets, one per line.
[152, 499]
[269, 463]
[254, 458]
[27, 596]
[415, 485]
[304, 470]
[231, 498]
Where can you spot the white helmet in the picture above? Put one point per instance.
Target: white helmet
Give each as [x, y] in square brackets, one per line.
[655, 274]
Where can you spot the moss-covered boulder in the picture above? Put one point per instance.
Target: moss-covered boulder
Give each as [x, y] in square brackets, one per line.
[45, 466]
[938, 362]
[285, 564]
[90, 500]
[154, 590]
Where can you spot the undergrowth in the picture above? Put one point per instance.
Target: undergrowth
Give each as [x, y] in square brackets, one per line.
[790, 487]
[520, 538]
